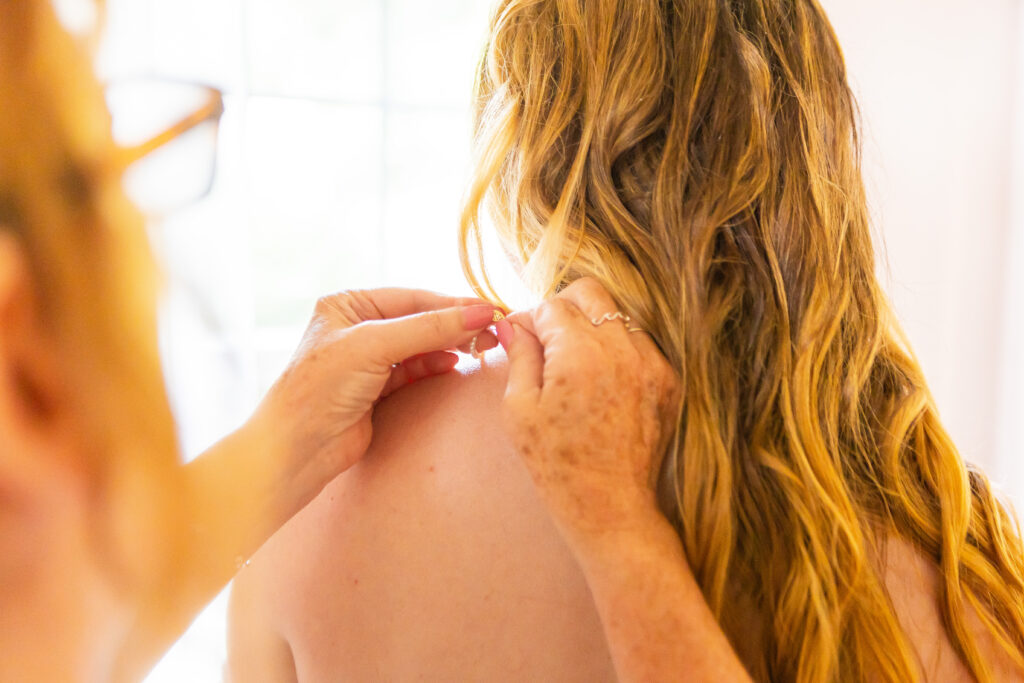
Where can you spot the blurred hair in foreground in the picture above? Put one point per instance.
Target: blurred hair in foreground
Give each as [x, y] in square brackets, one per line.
[61, 199]
[701, 159]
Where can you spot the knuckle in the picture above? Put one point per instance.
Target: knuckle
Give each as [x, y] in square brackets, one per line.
[555, 304]
[584, 284]
[354, 294]
[354, 301]
[672, 392]
[325, 304]
[590, 289]
[565, 310]
[545, 313]
[592, 286]
[346, 303]
[669, 377]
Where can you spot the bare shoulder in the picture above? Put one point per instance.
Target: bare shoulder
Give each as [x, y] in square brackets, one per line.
[914, 585]
[465, 403]
[433, 557]
[257, 652]
[477, 382]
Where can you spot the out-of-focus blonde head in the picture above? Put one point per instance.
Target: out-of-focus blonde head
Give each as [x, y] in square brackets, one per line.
[60, 197]
[701, 159]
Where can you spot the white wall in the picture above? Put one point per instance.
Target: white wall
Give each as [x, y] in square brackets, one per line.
[1011, 372]
[936, 80]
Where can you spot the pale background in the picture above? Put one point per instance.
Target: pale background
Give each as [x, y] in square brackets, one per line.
[344, 153]
[940, 86]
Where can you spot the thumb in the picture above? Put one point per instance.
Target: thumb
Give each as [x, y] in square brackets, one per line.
[525, 363]
[394, 340]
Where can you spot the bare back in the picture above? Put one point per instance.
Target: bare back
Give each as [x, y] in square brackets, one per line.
[432, 559]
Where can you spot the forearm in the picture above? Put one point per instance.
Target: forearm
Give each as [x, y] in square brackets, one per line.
[656, 621]
[237, 495]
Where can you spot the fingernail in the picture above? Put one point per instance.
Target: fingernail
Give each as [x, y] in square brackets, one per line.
[478, 317]
[442, 363]
[505, 333]
[486, 341]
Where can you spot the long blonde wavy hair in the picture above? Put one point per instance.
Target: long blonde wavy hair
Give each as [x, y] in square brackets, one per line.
[701, 159]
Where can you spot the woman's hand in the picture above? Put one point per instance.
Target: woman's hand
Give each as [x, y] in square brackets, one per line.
[359, 347]
[590, 409]
[313, 424]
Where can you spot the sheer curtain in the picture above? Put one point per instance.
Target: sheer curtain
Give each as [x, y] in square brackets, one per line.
[344, 153]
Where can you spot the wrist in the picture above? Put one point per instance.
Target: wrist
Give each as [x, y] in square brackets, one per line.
[640, 532]
[270, 427]
[656, 618]
[286, 442]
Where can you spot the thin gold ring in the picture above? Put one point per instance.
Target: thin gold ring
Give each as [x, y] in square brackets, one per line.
[617, 315]
[608, 317]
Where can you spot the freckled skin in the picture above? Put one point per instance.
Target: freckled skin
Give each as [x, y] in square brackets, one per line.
[472, 572]
[594, 433]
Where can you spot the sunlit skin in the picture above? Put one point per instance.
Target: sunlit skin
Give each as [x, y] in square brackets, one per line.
[109, 546]
[437, 558]
[504, 528]
[594, 464]
[701, 160]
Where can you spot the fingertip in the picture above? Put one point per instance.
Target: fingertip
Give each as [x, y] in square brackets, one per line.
[521, 331]
[486, 341]
[505, 332]
[416, 367]
[511, 341]
[443, 362]
[478, 317]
